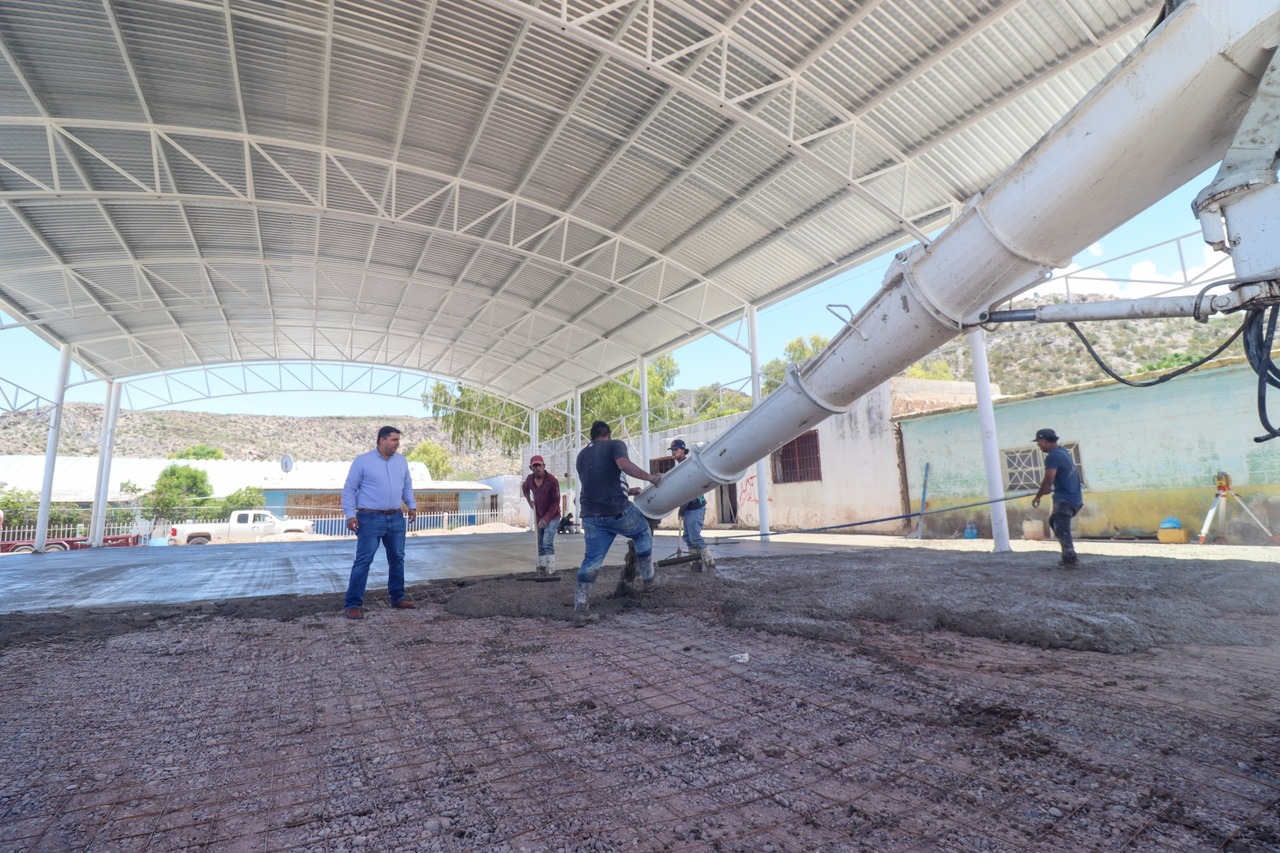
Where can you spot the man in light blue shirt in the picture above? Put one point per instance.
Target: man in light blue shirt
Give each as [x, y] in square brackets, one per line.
[378, 484]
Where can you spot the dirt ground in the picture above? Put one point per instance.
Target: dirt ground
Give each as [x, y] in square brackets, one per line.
[887, 698]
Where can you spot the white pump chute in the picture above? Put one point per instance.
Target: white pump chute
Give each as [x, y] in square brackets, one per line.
[1163, 116]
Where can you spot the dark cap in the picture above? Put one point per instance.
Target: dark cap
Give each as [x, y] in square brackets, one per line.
[678, 444]
[1046, 434]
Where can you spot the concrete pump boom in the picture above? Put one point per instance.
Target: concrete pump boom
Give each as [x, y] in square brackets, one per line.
[1161, 117]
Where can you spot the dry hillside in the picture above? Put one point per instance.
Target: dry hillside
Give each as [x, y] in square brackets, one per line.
[152, 434]
[1027, 357]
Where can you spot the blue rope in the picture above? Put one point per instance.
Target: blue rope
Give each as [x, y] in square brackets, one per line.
[720, 539]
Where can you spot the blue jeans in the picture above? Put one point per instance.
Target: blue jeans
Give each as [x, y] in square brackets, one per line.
[374, 529]
[1060, 524]
[599, 534]
[693, 519]
[547, 538]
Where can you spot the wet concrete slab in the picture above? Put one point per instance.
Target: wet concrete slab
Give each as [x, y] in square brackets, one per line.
[164, 575]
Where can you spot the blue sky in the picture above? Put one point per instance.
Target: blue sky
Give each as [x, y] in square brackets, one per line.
[32, 364]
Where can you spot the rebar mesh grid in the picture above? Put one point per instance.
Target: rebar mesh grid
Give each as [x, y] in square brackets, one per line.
[420, 730]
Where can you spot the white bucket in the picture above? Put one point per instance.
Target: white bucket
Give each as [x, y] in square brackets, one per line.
[1032, 528]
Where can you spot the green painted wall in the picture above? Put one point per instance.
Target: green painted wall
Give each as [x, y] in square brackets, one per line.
[1146, 454]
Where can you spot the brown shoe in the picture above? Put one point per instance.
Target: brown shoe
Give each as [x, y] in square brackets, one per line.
[405, 604]
[353, 613]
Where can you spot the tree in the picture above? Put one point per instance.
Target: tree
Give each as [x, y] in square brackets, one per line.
[199, 451]
[930, 368]
[473, 417]
[618, 403]
[796, 351]
[177, 487]
[246, 498]
[435, 457]
[20, 507]
[716, 401]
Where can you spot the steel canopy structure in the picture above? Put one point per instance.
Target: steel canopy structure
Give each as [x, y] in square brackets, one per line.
[524, 197]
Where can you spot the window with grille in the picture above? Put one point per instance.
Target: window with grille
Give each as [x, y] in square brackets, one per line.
[436, 502]
[1024, 467]
[798, 461]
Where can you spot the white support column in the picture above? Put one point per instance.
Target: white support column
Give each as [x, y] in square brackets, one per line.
[577, 448]
[643, 366]
[762, 491]
[990, 445]
[535, 449]
[51, 448]
[98, 526]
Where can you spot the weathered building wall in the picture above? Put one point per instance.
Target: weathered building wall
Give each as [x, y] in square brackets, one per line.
[1146, 454]
[860, 477]
[515, 510]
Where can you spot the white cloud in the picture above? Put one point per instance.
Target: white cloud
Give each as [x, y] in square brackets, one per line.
[1173, 268]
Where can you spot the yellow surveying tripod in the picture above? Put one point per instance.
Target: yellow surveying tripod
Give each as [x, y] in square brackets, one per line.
[1222, 480]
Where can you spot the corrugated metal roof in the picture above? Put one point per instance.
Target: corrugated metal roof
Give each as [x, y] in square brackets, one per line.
[523, 196]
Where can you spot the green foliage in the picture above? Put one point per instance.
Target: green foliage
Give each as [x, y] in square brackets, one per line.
[930, 368]
[198, 451]
[20, 507]
[178, 488]
[797, 350]
[471, 416]
[435, 457]
[618, 403]
[1171, 361]
[185, 479]
[247, 498]
[716, 401]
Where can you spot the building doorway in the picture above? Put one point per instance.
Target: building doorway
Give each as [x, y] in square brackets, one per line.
[727, 501]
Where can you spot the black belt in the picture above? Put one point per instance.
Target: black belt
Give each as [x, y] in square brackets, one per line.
[380, 511]
[611, 517]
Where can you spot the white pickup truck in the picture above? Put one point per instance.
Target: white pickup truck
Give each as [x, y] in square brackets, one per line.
[247, 525]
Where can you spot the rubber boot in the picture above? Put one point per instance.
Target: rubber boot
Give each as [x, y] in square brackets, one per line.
[582, 614]
[549, 564]
[708, 560]
[542, 566]
[648, 577]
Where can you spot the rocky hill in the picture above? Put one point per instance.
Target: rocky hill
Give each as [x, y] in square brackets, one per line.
[246, 437]
[1025, 357]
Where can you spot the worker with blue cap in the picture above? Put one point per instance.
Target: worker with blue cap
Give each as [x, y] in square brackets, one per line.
[693, 515]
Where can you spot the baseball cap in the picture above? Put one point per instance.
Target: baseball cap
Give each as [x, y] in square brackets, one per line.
[537, 460]
[1047, 434]
[678, 444]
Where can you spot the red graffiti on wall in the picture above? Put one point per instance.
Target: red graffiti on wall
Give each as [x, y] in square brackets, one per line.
[747, 491]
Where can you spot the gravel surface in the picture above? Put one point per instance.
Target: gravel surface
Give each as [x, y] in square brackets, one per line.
[931, 697]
